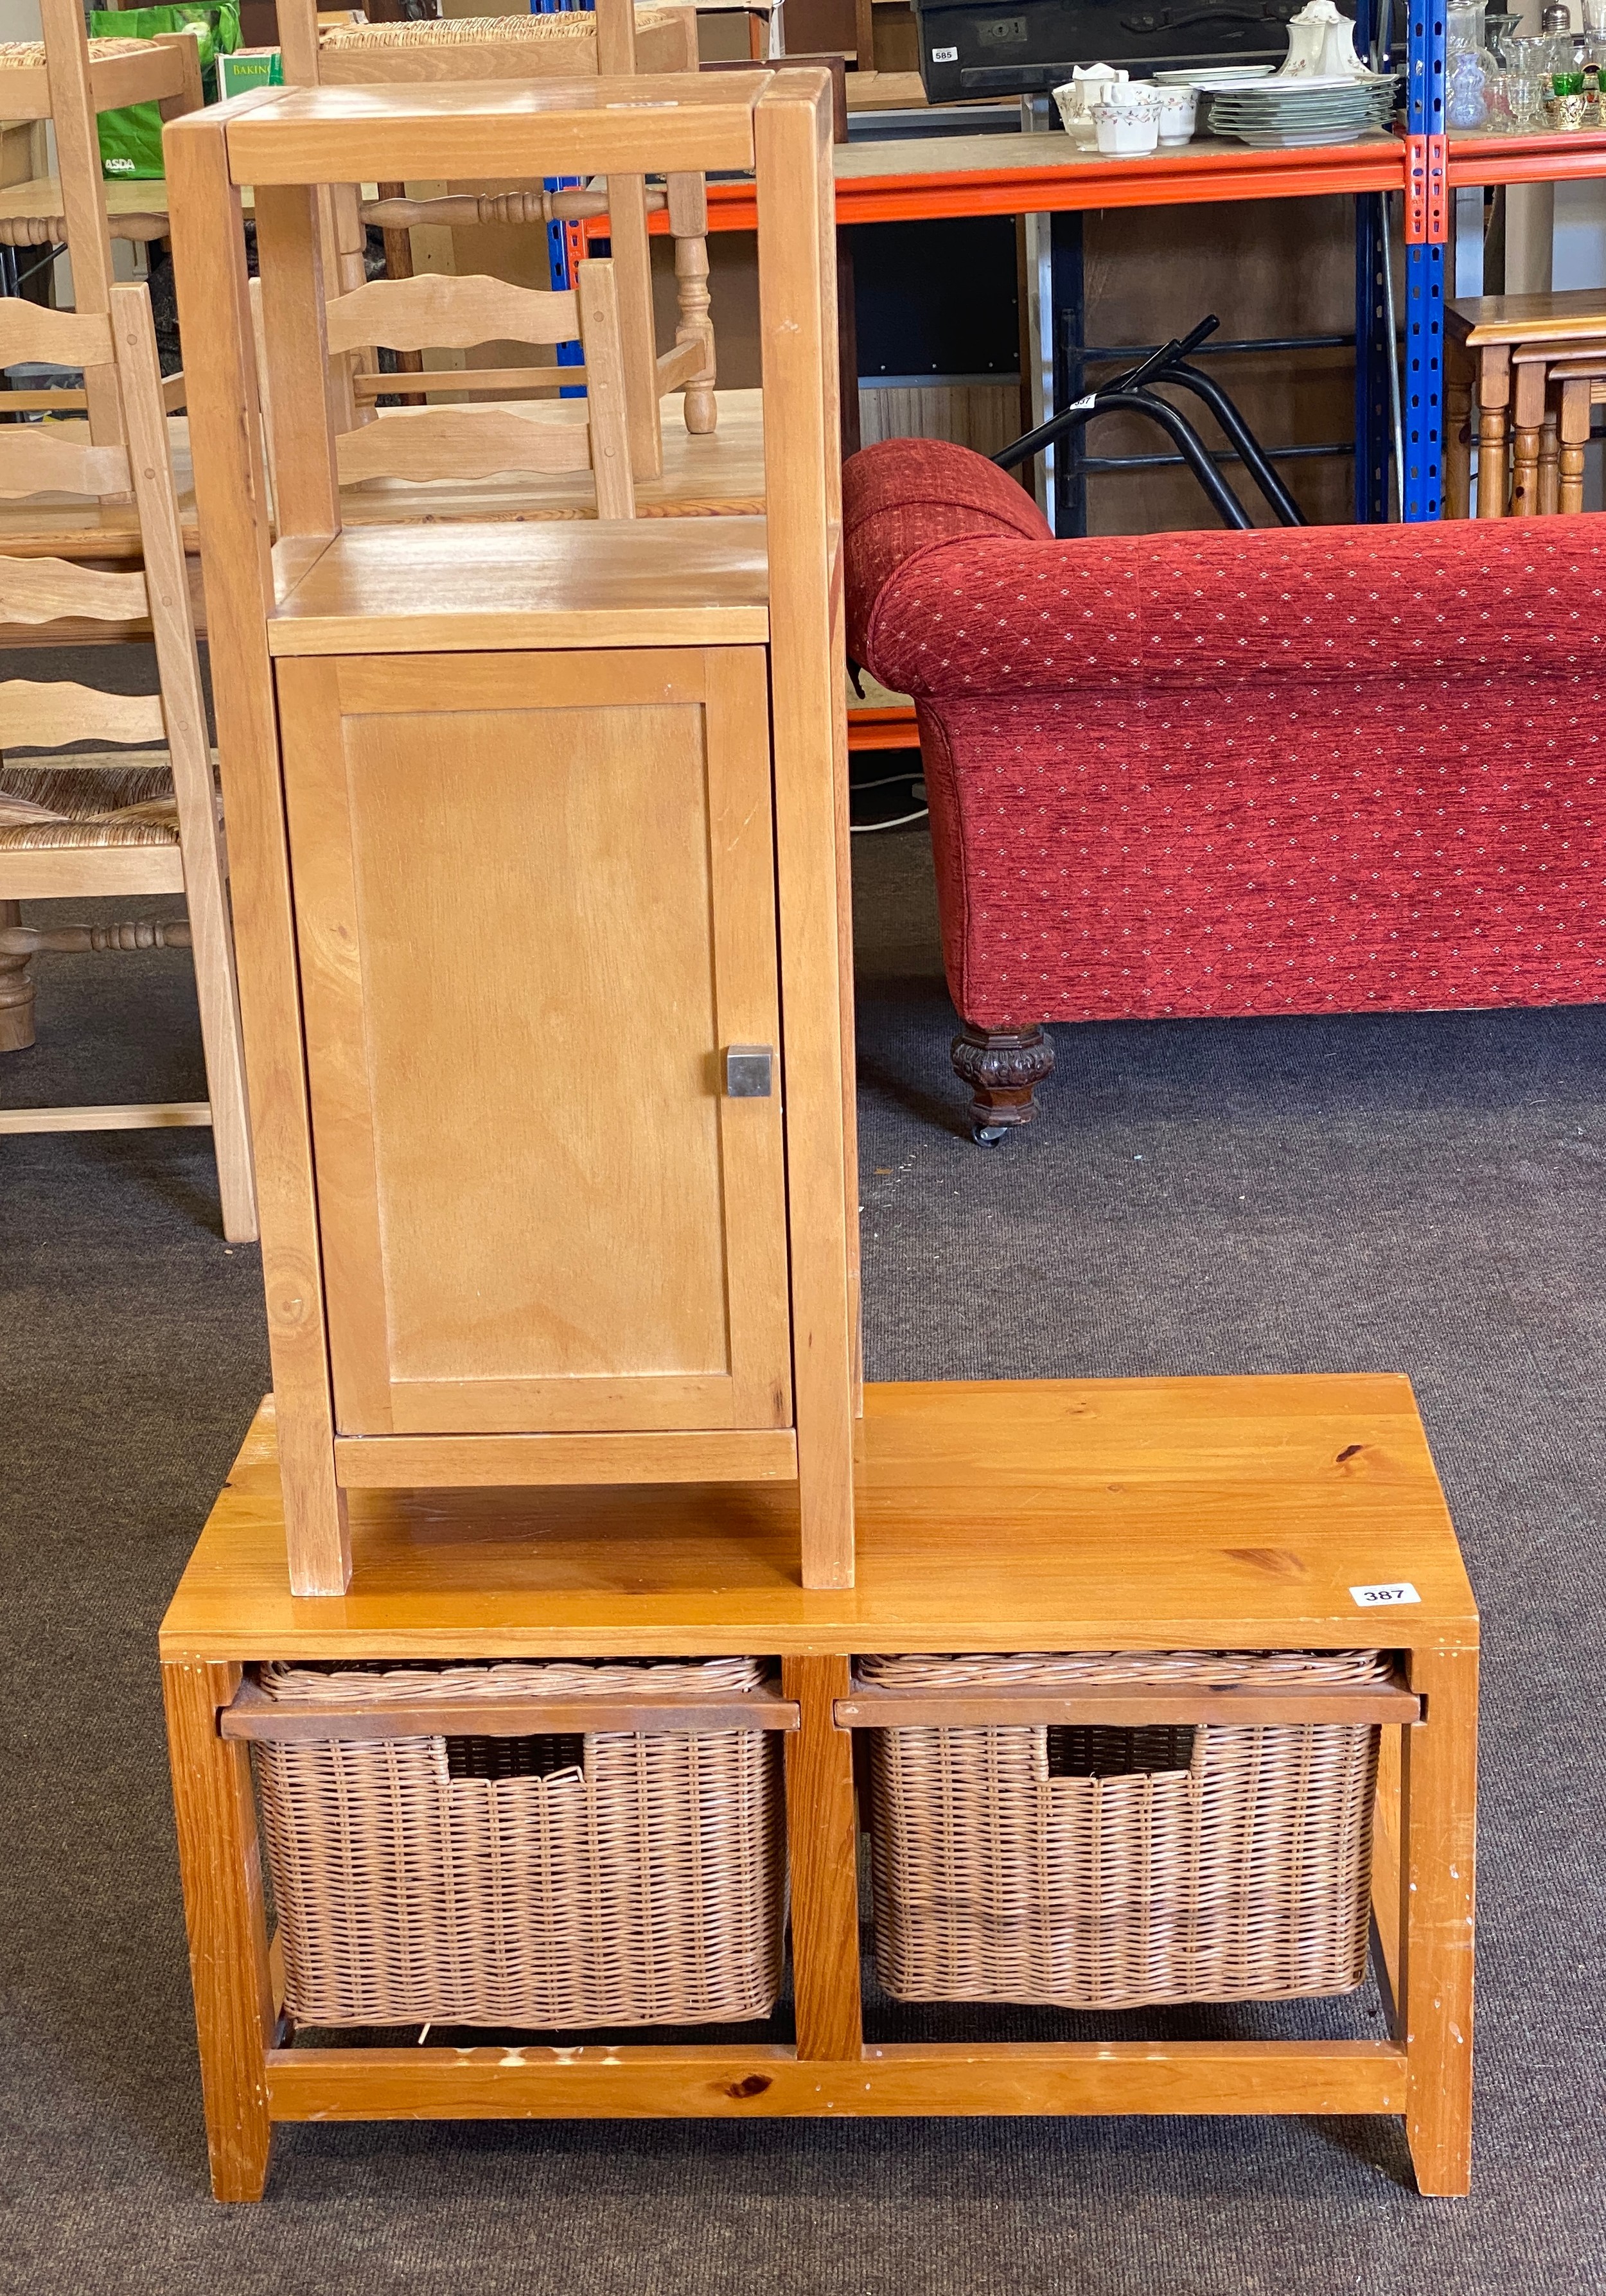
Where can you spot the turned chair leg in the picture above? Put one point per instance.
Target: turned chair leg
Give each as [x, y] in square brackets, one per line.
[1550, 460]
[16, 981]
[1575, 440]
[20, 943]
[1458, 448]
[688, 198]
[1492, 451]
[1494, 428]
[1528, 424]
[1004, 1068]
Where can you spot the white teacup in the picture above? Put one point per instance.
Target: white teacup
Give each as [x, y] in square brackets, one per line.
[1128, 125]
[1179, 111]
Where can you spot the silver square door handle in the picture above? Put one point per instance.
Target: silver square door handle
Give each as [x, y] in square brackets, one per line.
[749, 1071]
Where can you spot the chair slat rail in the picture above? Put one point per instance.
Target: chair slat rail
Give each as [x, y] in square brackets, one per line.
[57, 338]
[52, 589]
[372, 384]
[459, 442]
[47, 717]
[435, 312]
[36, 463]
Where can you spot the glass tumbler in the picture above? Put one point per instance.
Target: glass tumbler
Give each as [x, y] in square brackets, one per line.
[1525, 94]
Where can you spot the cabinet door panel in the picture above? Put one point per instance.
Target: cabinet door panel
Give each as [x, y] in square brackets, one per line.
[534, 900]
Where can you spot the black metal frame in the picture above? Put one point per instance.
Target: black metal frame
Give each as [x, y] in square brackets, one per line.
[1129, 392]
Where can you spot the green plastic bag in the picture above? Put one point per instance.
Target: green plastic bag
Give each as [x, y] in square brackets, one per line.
[131, 139]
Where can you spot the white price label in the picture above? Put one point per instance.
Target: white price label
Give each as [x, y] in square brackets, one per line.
[1378, 1598]
[944, 55]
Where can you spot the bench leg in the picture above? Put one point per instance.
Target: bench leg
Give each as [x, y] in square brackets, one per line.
[1438, 1801]
[220, 1864]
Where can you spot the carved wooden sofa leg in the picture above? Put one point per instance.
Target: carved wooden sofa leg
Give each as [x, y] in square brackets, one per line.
[1004, 1068]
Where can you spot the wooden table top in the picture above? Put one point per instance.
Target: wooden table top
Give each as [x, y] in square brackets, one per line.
[480, 129]
[1052, 1514]
[1573, 312]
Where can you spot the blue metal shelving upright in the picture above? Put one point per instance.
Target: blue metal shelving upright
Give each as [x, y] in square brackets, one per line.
[1427, 231]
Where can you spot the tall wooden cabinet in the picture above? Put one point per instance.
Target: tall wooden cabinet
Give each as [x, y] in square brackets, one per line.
[538, 840]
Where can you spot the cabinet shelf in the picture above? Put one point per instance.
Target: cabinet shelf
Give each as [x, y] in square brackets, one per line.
[451, 589]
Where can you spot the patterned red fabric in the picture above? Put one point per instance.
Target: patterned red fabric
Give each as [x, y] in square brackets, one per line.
[1319, 769]
[906, 496]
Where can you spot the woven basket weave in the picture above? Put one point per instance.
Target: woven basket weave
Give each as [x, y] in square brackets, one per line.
[454, 31]
[27, 55]
[1213, 1864]
[643, 1887]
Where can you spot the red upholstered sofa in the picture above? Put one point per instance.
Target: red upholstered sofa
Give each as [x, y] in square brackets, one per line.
[1331, 769]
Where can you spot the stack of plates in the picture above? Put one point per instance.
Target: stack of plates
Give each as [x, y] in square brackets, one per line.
[1217, 75]
[1276, 114]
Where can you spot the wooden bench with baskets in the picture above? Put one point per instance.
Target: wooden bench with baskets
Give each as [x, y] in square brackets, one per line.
[1213, 1833]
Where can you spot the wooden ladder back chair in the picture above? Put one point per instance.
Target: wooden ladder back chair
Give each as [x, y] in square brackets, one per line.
[78, 826]
[441, 313]
[614, 40]
[69, 79]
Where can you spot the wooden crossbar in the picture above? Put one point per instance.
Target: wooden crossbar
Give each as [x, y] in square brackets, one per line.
[45, 717]
[141, 1116]
[29, 333]
[34, 463]
[53, 589]
[370, 384]
[433, 312]
[459, 442]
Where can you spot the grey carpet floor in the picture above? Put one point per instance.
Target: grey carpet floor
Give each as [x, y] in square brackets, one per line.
[1421, 1193]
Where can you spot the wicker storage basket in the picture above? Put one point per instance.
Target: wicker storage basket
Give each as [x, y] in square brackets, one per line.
[613, 1878]
[1105, 1868]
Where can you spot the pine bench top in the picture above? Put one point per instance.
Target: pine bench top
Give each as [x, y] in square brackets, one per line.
[993, 1515]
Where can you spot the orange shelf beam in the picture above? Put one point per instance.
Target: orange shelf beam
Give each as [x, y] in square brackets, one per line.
[883, 729]
[1548, 159]
[1186, 179]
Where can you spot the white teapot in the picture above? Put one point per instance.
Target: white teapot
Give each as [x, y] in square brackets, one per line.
[1088, 85]
[1322, 46]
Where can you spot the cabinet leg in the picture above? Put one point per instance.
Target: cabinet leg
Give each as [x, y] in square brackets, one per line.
[1439, 1804]
[822, 1835]
[318, 1535]
[220, 1864]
